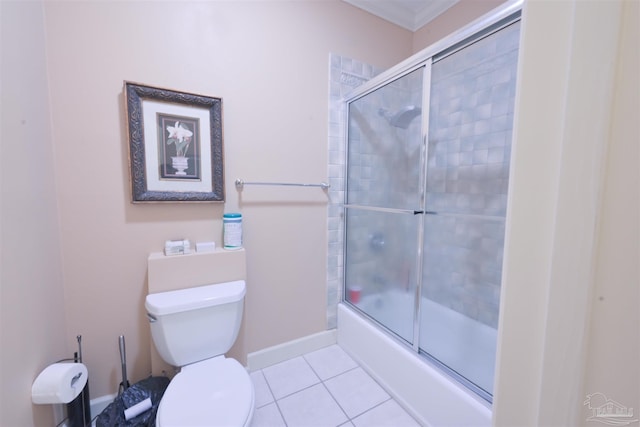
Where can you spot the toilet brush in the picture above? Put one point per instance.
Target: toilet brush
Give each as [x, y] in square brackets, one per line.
[123, 362]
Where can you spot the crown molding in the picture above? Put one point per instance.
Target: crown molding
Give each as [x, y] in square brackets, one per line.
[409, 14]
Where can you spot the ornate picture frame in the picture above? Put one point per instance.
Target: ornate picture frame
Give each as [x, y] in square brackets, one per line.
[175, 145]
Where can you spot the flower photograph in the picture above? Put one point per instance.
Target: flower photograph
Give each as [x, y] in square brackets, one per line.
[178, 147]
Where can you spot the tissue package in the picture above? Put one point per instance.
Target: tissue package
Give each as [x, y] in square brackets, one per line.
[177, 247]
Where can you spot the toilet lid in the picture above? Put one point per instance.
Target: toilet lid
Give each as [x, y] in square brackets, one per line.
[214, 392]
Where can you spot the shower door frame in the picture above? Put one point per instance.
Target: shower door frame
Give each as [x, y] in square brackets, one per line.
[500, 18]
[426, 77]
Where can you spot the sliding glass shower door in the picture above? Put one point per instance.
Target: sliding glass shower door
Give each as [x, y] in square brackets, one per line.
[428, 156]
[469, 150]
[384, 188]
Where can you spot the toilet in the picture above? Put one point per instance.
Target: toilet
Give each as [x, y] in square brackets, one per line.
[192, 329]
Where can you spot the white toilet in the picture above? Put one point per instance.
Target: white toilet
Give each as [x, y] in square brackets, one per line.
[192, 329]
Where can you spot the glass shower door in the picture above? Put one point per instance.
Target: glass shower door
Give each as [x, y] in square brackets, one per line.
[425, 209]
[384, 189]
[469, 147]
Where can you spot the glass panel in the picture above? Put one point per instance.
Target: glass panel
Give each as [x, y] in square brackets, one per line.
[461, 295]
[470, 126]
[380, 267]
[469, 149]
[384, 147]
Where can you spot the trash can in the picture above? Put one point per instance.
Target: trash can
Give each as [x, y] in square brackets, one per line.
[150, 388]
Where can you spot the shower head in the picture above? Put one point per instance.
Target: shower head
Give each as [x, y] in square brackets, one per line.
[403, 117]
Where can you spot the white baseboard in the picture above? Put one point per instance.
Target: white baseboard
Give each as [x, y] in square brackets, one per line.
[281, 352]
[100, 403]
[97, 406]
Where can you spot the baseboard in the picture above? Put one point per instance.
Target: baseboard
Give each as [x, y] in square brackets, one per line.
[97, 406]
[281, 352]
[100, 403]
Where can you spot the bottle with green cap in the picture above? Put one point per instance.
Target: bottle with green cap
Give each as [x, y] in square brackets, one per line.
[232, 230]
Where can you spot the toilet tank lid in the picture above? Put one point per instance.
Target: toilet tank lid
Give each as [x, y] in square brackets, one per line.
[195, 298]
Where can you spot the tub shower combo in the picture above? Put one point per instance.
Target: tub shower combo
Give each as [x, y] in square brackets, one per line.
[428, 147]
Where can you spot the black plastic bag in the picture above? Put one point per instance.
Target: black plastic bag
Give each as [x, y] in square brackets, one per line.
[113, 415]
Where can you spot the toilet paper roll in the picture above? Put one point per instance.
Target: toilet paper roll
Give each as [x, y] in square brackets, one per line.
[137, 409]
[59, 383]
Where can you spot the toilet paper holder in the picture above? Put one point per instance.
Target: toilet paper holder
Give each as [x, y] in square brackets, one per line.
[59, 383]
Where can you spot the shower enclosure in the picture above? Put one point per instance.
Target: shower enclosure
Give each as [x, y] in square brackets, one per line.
[428, 152]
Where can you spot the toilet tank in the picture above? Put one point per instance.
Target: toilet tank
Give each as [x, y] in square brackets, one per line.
[193, 324]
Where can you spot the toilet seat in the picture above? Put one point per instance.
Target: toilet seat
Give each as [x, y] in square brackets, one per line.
[213, 392]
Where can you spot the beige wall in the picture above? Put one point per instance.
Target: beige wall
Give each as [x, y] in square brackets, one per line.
[32, 309]
[614, 348]
[572, 230]
[269, 63]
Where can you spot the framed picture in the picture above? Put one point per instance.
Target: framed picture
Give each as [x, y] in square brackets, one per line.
[175, 145]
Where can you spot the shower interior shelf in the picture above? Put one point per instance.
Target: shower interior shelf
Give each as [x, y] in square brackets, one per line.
[240, 183]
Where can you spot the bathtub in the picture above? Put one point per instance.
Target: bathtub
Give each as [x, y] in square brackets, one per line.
[434, 398]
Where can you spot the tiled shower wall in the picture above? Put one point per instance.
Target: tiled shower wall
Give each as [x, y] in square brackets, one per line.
[471, 114]
[470, 127]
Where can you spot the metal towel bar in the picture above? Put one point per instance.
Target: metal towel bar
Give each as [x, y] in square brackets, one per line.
[241, 183]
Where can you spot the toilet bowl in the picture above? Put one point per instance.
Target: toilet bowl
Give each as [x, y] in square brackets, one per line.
[214, 392]
[192, 329]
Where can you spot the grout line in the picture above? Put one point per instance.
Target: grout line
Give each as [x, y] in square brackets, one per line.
[298, 391]
[341, 373]
[337, 403]
[321, 381]
[275, 401]
[280, 412]
[331, 377]
[268, 386]
[372, 408]
[368, 409]
[311, 367]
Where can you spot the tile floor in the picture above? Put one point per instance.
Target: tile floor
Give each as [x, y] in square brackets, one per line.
[323, 388]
